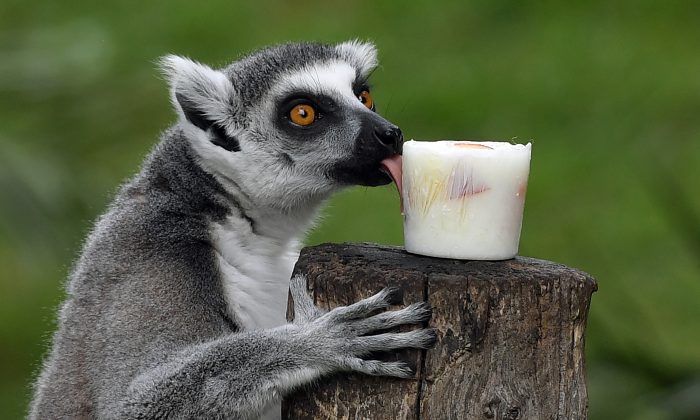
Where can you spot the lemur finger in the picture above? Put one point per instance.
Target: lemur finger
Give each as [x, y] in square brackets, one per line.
[417, 339]
[413, 314]
[377, 368]
[382, 300]
[304, 308]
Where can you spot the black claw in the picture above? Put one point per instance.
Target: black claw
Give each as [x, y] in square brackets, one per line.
[432, 337]
[394, 296]
[428, 312]
[411, 367]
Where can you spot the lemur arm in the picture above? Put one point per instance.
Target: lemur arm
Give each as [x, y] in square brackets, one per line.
[234, 376]
[240, 374]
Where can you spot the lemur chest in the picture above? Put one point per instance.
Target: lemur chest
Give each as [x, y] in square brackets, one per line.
[254, 274]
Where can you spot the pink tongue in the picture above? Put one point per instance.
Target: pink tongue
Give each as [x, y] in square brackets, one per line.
[393, 166]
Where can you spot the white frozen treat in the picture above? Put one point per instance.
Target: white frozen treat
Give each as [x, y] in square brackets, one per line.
[464, 199]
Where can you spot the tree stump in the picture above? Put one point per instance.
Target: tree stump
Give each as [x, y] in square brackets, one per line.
[510, 337]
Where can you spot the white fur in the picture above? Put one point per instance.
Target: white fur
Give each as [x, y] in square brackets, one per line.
[255, 272]
[362, 55]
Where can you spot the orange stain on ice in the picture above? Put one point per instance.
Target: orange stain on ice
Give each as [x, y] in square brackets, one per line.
[472, 146]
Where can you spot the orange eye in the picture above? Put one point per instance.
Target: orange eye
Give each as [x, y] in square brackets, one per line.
[366, 98]
[303, 115]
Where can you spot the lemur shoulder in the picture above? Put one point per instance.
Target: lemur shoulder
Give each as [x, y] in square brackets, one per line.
[176, 306]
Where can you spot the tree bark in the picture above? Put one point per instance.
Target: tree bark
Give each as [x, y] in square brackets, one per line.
[510, 337]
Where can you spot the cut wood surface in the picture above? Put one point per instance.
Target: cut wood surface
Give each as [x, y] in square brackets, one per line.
[510, 337]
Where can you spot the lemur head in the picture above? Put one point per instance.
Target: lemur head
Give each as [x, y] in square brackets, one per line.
[286, 125]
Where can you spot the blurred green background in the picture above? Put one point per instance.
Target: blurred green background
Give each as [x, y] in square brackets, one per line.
[608, 92]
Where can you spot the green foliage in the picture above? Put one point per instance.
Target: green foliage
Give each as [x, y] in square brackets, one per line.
[608, 92]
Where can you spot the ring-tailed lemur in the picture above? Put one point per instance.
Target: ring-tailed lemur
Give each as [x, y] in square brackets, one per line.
[176, 307]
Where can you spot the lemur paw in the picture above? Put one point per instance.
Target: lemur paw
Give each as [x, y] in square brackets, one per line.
[345, 334]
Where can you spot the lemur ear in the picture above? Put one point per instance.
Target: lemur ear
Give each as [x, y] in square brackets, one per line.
[204, 96]
[363, 55]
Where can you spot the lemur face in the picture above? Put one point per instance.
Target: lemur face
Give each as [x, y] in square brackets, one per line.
[295, 119]
[324, 116]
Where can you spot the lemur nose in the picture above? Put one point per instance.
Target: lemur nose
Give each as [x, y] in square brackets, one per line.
[391, 137]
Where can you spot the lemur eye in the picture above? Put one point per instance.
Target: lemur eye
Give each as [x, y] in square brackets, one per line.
[303, 115]
[366, 98]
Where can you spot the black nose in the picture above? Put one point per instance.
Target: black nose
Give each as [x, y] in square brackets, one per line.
[391, 137]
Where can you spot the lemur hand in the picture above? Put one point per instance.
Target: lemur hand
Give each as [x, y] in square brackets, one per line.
[344, 335]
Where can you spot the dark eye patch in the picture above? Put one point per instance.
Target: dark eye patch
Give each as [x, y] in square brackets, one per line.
[324, 105]
[326, 111]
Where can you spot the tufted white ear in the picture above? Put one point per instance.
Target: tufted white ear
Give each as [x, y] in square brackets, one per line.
[362, 55]
[200, 94]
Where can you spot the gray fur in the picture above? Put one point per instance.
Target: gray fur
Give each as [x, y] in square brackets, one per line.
[160, 319]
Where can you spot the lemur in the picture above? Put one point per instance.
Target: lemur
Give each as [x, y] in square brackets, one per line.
[176, 306]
